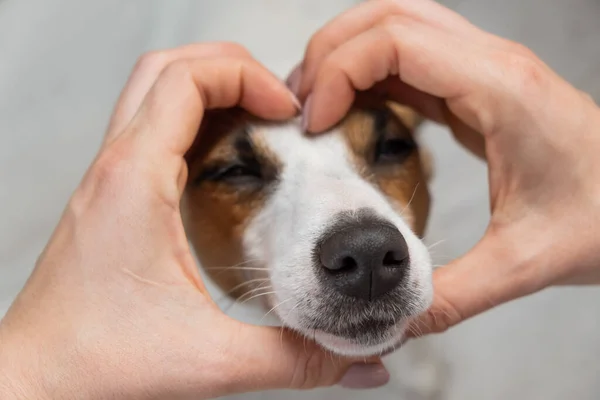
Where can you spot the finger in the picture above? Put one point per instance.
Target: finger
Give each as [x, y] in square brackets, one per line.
[429, 60]
[284, 360]
[364, 17]
[170, 115]
[368, 15]
[149, 67]
[486, 277]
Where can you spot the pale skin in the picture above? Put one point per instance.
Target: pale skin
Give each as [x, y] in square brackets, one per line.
[115, 306]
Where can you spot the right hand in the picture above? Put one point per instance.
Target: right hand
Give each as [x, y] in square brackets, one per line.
[540, 136]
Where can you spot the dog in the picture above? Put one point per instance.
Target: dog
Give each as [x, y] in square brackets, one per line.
[326, 229]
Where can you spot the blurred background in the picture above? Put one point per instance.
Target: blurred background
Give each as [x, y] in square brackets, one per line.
[63, 63]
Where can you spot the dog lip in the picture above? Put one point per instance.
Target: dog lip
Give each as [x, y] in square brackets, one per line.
[396, 346]
[356, 331]
[370, 325]
[350, 347]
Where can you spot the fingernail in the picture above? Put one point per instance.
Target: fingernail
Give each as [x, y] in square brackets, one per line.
[365, 376]
[293, 80]
[306, 113]
[296, 101]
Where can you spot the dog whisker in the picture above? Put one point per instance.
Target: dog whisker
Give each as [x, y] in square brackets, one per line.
[254, 290]
[245, 262]
[246, 283]
[241, 285]
[431, 246]
[258, 295]
[411, 198]
[247, 294]
[271, 310]
[240, 268]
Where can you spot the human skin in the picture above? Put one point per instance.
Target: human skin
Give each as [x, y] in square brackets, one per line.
[539, 135]
[115, 307]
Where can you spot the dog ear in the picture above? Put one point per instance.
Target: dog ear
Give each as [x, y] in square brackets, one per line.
[407, 115]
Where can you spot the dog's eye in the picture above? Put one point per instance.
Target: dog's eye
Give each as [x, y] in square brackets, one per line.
[394, 150]
[238, 172]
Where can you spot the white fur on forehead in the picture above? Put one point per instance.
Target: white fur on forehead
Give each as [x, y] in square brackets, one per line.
[317, 181]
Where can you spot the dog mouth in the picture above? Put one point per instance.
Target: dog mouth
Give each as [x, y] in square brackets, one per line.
[363, 331]
[353, 327]
[363, 338]
[381, 337]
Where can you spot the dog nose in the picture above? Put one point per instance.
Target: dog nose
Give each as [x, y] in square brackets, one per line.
[365, 260]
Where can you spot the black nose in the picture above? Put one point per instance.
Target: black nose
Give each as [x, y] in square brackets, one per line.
[365, 259]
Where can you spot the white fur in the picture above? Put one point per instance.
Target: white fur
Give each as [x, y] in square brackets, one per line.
[318, 180]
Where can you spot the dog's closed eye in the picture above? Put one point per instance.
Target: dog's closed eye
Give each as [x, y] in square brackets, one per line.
[238, 172]
[392, 142]
[240, 165]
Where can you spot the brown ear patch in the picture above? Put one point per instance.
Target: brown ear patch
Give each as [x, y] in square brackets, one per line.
[408, 116]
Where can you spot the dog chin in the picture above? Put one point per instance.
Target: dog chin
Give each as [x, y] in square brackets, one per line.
[350, 348]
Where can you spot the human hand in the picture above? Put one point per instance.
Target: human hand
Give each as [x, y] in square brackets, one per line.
[115, 306]
[540, 137]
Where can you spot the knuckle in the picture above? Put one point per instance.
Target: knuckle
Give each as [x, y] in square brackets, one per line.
[587, 97]
[153, 59]
[389, 25]
[316, 43]
[110, 163]
[525, 73]
[394, 5]
[522, 50]
[331, 69]
[330, 64]
[177, 68]
[112, 169]
[119, 177]
[234, 49]
[441, 317]
[309, 370]
[439, 320]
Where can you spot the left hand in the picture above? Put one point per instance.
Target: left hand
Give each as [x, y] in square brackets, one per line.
[115, 306]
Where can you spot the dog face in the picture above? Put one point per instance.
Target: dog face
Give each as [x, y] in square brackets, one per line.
[325, 229]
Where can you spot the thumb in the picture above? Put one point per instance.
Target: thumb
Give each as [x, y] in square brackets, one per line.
[487, 276]
[276, 358]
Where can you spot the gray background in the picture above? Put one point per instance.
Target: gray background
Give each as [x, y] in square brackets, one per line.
[63, 62]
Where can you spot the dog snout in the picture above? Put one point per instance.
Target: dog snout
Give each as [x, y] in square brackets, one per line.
[364, 259]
